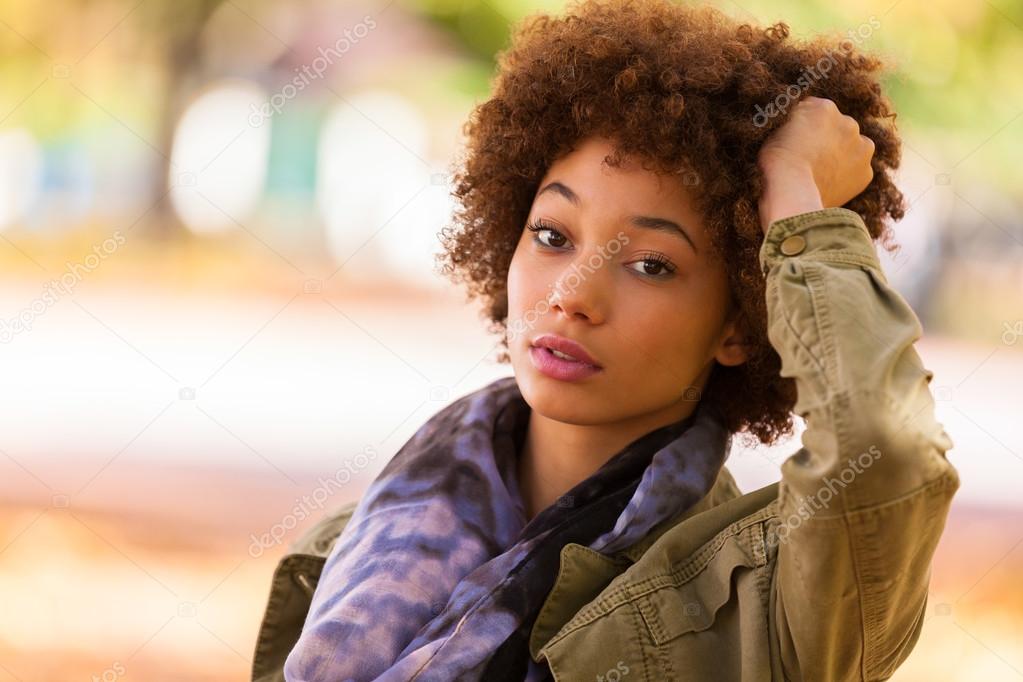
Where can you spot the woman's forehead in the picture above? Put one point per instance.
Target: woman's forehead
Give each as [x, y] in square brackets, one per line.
[582, 181]
[587, 165]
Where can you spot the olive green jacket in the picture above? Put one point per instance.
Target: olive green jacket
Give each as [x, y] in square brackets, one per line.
[822, 576]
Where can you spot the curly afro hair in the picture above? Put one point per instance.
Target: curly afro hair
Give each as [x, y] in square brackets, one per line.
[692, 92]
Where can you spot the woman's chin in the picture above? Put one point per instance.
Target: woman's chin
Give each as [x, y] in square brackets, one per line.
[562, 401]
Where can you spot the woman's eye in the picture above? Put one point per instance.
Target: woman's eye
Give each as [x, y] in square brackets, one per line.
[656, 267]
[555, 238]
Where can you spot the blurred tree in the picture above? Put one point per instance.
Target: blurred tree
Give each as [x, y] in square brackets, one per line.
[177, 27]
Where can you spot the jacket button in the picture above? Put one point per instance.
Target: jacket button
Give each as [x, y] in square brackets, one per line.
[793, 245]
[305, 583]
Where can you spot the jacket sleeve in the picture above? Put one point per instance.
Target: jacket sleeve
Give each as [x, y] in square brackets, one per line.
[863, 502]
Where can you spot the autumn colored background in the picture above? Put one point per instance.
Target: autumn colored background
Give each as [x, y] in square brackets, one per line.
[217, 227]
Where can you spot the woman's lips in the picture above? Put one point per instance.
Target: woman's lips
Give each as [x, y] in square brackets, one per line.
[559, 368]
[565, 346]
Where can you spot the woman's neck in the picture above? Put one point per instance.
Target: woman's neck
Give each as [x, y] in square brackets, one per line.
[556, 456]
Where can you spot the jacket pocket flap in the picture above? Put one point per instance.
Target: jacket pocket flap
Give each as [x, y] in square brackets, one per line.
[291, 592]
[689, 603]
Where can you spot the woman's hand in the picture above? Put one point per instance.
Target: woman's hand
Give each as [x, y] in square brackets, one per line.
[817, 159]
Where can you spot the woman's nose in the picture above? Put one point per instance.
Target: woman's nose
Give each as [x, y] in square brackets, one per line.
[579, 291]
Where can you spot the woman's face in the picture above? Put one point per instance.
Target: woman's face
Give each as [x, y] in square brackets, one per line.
[646, 299]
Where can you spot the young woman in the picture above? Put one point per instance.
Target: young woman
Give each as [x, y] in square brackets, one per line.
[670, 216]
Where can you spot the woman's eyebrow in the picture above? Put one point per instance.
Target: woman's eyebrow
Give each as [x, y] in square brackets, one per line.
[643, 221]
[663, 225]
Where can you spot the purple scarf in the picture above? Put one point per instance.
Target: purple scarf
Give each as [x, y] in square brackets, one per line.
[438, 576]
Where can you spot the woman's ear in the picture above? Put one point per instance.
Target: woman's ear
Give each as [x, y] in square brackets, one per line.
[734, 348]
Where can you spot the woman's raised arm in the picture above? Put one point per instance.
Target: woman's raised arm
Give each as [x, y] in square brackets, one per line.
[864, 501]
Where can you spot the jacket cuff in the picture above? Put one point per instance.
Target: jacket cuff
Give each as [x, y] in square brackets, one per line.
[831, 234]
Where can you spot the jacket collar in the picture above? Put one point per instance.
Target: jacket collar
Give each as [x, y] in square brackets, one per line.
[584, 573]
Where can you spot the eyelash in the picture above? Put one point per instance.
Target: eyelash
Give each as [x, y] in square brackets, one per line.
[669, 269]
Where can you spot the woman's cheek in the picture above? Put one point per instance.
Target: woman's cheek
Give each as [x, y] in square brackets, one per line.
[519, 296]
[514, 284]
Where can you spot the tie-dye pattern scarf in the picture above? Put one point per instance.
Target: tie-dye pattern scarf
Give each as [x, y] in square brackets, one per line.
[438, 576]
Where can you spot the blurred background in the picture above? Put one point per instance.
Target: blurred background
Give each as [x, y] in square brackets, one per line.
[217, 228]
